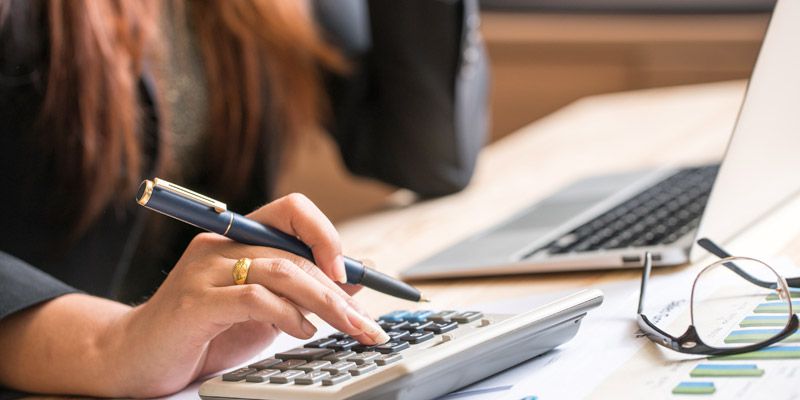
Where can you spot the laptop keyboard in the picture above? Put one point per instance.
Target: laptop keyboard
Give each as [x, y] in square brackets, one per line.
[660, 214]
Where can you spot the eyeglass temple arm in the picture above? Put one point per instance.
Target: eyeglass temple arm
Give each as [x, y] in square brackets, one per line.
[648, 265]
[716, 250]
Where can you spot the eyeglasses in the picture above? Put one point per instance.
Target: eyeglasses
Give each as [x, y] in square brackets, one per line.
[721, 293]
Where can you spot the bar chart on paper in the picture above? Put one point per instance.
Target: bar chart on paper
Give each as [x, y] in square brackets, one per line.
[669, 375]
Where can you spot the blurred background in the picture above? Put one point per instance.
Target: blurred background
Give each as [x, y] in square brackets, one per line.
[545, 54]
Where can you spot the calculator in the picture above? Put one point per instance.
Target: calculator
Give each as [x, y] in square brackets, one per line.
[430, 353]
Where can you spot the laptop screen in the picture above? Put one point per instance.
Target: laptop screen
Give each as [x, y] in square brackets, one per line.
[761, 169]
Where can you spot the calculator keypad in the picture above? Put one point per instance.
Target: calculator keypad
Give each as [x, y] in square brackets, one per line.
[338, 358]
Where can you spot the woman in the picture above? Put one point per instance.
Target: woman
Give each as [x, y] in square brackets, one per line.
[97, 95]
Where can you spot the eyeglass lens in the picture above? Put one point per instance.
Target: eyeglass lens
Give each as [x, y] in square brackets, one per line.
[720, 297]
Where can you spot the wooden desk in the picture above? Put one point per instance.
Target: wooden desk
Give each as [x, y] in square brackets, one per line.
[594, 135]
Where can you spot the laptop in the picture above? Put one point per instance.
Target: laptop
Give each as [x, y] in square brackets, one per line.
[608, 222]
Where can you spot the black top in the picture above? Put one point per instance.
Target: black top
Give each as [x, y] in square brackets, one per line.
[413, 114]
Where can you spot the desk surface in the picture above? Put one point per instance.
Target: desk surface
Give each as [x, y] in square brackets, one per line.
[598, 134]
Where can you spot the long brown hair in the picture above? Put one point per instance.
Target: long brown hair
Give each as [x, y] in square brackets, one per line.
[91, 110]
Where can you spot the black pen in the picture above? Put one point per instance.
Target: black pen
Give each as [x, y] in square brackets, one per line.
[206, 213]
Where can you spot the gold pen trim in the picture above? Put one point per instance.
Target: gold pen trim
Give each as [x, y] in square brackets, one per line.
[230, 223]
[218, 206]
[146, 193]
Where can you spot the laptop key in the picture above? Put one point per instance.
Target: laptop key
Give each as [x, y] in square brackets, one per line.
[305, 353]
[237, 375]
[311, 378]
[262, 375]
[334, 379]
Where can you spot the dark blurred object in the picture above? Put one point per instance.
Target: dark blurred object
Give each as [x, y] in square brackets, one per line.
[632, 6]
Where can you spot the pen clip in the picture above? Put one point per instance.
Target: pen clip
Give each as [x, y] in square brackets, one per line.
[218, 206]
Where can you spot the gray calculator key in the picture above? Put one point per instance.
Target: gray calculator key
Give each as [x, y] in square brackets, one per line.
[334, 379]
[418, 326]
[304, 353]
[320, 342]
[265, 363]
[397, 335]
[442, 327]
[262, 376]
[238, 374]
[387, 359]
[311, 378]
[286, 376]
[442, 316]
[313, 366]
[393, 347]
[342, 345]
[467, 316]
[363, 369]
[364, 358]
[339, 367]
[339, 356]
[288, 364]
[419, 337]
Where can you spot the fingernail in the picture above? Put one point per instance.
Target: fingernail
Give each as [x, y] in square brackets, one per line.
[340, 268]
[309, 328]
[368, 326]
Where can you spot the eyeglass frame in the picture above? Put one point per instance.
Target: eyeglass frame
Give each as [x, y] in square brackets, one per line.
[690, 342]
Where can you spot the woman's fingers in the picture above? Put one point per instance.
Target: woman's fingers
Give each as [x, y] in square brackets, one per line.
[286, 279]
[240, 303]
[296, 215]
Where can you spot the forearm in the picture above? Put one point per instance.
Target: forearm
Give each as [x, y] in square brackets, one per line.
[63, 346]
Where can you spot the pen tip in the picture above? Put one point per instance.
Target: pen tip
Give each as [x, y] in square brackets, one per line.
[423, 299]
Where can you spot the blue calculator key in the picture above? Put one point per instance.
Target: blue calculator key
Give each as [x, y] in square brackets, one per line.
[419, 316]
[395, 316]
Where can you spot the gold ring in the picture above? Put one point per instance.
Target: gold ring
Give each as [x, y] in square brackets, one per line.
[240, 270]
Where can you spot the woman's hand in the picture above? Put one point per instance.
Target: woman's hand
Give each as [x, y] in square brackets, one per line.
[197, 323]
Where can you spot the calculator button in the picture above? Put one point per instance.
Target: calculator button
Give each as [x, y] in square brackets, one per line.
[442, 316]
[364, 358]
[442, 327]
[363, 369]
[262, 376]
[339, 367]
[288, 364]
[265, 363]
[313, 366]
[467, 316]
[339, 336]
[395, 326]
[387, 359]
[419, 316]
[397, 335]
[419, 337]
[418, 326]
[393, 347]
[311, 378]
[395, 316]
[286, 376]
[363, 348]
[344, 344]
[339, 356]
[334, 379]
[237, 375]
[304, 353]
[320, 342]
